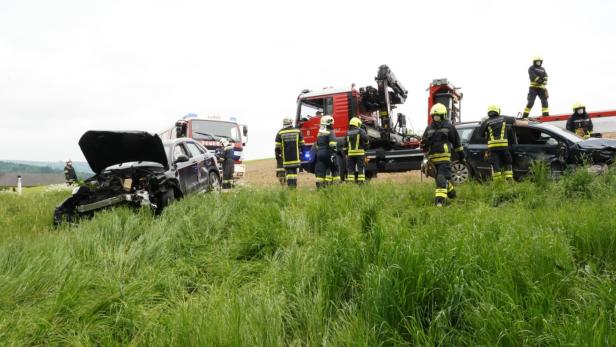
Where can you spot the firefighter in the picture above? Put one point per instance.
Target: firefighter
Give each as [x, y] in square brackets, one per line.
[181, 128]
[280, 171]
[69, 173]
[495, 129]
[228, 163]
[538, 87]
[579, 122]
[326, 146]
[289, 141]
[440, 140]
[357, 141]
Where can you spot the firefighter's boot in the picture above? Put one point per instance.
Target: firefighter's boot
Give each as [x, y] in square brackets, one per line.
[440, 196]
[451, 192]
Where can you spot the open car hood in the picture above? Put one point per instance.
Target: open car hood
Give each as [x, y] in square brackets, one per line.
[106, 148]
[597, 143]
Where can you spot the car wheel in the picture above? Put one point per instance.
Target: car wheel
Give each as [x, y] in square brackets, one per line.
[214, 184]
[63, 215]
[460, 173]
[164, 200]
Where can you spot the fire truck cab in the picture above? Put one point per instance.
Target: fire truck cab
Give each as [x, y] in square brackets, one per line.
[209, 131]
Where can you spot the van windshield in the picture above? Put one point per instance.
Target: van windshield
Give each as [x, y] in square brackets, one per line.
[210, 129]
[309, 108]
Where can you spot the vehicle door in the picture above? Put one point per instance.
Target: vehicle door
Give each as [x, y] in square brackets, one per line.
[534, 144]
[198, 156]
[476, 150]
[309, 112]
[185, 170]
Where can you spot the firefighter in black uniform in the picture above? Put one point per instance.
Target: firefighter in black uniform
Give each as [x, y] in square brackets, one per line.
[357, 141]
[228, 163]
[579, 122]
[440, 140]
[289, 142]
[181, 128]
[280, 171]
[326, 146]
[69, 173]
[538, 87]
[496, 129]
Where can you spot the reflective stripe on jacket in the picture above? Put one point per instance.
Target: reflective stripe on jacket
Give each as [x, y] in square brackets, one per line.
[288, 142]
[357, 141]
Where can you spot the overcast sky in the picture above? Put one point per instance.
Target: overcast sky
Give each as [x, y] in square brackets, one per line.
[70, 66]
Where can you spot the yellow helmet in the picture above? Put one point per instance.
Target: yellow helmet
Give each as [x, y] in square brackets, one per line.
[438, 110]
[494, 108]
[356, 122]
[537, 58]
[578, 105]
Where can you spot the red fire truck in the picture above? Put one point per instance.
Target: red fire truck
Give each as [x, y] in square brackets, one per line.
[209, 131]
[392, 147]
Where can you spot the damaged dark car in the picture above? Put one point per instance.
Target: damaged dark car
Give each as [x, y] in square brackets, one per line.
[559, 149]
[138, 169]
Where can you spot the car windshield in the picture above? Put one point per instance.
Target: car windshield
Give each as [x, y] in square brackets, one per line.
[212, 129]
[564, 133]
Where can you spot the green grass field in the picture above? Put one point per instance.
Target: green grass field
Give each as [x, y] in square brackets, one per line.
[531, 264]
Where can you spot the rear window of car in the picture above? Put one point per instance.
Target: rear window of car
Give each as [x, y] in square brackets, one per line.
[474, 137]
[465, 134]
[194, 150]
[179, 150]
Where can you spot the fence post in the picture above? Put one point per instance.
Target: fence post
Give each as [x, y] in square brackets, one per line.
[19, 185]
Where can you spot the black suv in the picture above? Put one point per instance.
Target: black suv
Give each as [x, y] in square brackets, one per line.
[133, 168]
[559, 149]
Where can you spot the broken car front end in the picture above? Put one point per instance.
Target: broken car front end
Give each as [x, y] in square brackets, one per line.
[135, 186]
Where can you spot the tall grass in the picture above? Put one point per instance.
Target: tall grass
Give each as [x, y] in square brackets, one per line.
[528, 264]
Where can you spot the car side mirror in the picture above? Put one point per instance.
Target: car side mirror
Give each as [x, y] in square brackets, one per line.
[181, 159]
[245, 130]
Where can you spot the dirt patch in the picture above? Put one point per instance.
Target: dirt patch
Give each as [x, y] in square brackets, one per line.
[260, 173]
[609, 135]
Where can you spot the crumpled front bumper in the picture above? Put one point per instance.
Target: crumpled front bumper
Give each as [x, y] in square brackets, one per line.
[138, 198]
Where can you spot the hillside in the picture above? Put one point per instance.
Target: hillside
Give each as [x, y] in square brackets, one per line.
[349, 265]
[56, 166]
[34, 173]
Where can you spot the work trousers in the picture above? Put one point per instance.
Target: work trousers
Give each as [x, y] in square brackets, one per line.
[357, 164]
[533, 93]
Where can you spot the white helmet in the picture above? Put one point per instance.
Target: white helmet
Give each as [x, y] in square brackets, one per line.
[224, 142]
[327, 120]
[287, 121]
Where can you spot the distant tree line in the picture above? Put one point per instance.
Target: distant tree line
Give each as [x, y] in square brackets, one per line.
[14, 167]
[8, 167]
